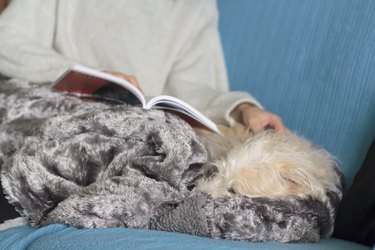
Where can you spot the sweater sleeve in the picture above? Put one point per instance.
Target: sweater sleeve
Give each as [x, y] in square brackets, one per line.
[199, 74]
[27, 29]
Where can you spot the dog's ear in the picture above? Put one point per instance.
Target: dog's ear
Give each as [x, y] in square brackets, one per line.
[270, 181]
[294, 179]
[264, 182]
[299, 182]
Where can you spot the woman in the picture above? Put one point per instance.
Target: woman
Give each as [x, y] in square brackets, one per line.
[171, 46]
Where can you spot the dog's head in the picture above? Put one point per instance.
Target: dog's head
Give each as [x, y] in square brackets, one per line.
[272, 165]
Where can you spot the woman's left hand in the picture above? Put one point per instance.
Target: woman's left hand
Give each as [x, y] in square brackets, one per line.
[258, 119]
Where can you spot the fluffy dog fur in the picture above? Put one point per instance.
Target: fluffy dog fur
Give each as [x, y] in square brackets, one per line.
[266, 164]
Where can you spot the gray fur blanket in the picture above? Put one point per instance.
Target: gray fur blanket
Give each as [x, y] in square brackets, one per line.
[93, 164]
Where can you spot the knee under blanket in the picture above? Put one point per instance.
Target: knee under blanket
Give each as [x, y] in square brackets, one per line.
[93, 164]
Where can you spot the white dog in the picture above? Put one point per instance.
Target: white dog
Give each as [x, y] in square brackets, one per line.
[266, 164]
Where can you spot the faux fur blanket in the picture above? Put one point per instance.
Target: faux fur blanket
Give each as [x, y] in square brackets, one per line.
[93, 164]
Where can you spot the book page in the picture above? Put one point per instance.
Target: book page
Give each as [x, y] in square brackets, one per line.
[85, 81]
[175, 104]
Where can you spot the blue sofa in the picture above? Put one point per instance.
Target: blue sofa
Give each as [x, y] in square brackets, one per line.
[310, 61]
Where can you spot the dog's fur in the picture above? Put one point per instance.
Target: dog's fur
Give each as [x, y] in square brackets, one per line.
[266, 164]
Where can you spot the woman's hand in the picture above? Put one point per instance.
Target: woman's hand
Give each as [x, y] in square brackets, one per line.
[258, 119]
[128, 78]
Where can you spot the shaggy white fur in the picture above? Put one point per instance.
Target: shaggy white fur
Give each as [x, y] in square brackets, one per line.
[266, 164]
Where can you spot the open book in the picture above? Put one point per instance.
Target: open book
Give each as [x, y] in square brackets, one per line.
[84, 81]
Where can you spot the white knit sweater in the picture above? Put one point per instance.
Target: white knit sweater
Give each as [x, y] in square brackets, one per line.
[171, 46]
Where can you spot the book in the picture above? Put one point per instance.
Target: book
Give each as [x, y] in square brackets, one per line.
[84, 81]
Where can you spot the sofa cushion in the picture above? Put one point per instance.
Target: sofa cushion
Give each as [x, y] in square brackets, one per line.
[64, 237]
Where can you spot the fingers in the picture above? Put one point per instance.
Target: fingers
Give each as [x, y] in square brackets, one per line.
[257, 126]
[276, 124]
[133, 81]
[258, 120]
[128, 78]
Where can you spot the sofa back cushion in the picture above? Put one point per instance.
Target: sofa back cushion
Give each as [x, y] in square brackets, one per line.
[311, 62]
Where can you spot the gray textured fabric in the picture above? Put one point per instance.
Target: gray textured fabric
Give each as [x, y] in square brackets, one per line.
[93, 164]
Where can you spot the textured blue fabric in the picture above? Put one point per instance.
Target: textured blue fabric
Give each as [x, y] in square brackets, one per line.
[63, 237]
[310, 61]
